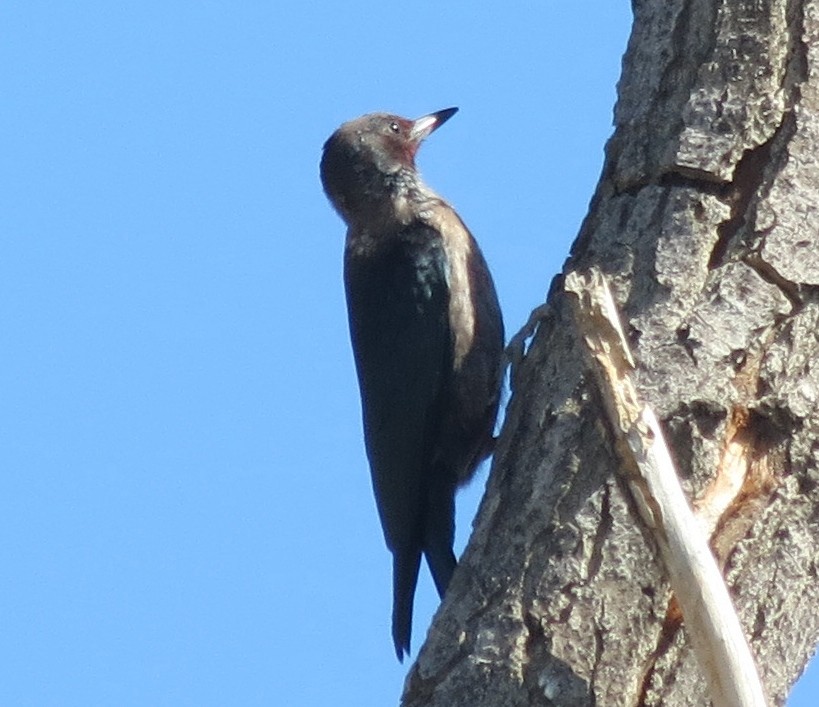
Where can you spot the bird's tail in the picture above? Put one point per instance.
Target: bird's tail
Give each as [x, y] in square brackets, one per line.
[405, 564]
[442, 563]
[439, 529]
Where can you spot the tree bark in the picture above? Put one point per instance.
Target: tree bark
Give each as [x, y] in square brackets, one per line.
[706, 223]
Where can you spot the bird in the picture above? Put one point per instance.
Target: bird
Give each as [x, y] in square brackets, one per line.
[427, 337]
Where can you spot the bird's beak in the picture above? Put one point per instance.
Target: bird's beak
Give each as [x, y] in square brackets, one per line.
[422, 127]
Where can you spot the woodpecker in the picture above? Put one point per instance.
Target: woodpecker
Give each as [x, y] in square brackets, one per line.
[427, 337]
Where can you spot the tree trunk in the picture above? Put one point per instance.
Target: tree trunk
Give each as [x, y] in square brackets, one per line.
[705, 222]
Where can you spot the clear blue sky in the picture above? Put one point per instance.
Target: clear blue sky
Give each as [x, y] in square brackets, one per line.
[185, 510]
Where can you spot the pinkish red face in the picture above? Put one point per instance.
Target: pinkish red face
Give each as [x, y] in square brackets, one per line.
[395, 136]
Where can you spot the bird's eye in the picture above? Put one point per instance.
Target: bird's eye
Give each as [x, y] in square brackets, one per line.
[394, 126]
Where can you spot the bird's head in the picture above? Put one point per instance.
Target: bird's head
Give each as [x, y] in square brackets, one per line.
[370, 160]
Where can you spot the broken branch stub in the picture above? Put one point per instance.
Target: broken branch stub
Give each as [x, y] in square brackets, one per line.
[709, 617]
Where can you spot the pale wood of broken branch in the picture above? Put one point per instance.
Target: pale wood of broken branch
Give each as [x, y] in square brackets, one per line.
[711, 623]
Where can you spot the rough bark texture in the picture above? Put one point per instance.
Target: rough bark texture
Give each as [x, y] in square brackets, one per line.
[705, 221]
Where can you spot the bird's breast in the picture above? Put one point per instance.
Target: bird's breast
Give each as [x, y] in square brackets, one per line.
[459, 249]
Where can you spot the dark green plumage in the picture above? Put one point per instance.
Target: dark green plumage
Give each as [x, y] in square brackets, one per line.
[427, 337]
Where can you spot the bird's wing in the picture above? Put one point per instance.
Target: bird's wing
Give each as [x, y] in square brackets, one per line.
[397, 298]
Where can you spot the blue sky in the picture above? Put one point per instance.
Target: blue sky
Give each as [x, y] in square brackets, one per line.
[185, 509]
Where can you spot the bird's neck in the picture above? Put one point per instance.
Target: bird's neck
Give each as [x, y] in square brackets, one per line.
[406, 199]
